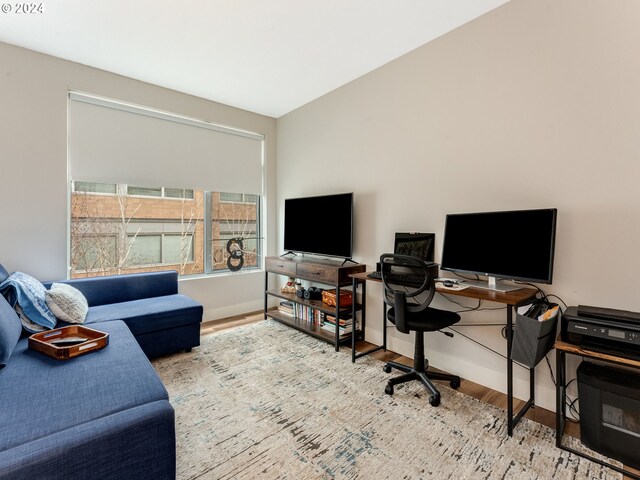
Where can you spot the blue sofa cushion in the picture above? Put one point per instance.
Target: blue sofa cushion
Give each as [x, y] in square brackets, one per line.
[41, 396]
[125, 288]
[149, 314]
[10, 330]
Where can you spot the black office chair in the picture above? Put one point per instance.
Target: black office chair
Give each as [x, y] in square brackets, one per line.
[408, 290]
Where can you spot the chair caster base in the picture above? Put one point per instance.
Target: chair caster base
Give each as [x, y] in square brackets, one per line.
[388, 389]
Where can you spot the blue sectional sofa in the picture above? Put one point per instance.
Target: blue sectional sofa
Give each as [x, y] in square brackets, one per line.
[162, 320]
[105, 414]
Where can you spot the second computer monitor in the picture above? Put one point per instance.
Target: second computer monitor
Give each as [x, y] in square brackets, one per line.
[415, 244]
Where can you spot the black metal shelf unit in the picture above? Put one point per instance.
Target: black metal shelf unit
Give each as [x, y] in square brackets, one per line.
[322, 272]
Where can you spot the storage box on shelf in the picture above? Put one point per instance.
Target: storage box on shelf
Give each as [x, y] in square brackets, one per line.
[320, 272]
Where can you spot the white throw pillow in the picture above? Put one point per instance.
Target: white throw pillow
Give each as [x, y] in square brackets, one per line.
[67, 303]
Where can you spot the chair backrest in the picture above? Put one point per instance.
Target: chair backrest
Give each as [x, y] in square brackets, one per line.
[409, 286]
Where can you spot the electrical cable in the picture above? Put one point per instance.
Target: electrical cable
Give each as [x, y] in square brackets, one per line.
[575, 415]
[538, 289]
[559, 299]
[466, 308]
[478, 343]
[553, 378]
[480, 325]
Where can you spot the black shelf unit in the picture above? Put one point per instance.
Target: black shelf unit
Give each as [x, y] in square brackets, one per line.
[325, 273]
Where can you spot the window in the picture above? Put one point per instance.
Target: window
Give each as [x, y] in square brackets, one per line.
[139, 228]
[94, 252]
[177, 248]
[238, 197]
[145, 249]
[93, 187]
[161, 249]
[178, 193]
[234, 226]
[144, 191]
[160, 218]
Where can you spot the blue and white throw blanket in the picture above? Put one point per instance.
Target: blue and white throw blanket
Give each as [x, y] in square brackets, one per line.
[27, 296]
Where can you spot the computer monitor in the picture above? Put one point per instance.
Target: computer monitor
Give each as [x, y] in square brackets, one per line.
[415, 244]
[512, 245]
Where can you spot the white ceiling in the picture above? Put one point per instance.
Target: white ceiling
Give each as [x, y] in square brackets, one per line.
[265, 56]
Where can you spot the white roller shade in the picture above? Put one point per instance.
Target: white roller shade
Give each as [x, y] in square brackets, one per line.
[111, 142]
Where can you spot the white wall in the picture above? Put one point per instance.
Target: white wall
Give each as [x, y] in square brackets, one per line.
[33, 168]
[536, 104]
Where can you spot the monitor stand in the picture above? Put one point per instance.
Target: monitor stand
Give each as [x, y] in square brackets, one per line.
[492, 283]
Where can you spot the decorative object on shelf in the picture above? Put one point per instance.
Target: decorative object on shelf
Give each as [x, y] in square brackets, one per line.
[235, 248]
[289, 287]
[311, 293]
[329, 297]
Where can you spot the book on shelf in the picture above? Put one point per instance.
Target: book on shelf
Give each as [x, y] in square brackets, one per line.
[343, 332]
[345, 325]
[307, 314]
[344, 320]
[286, 307]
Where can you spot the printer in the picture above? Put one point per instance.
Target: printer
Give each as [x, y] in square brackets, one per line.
[604, 330]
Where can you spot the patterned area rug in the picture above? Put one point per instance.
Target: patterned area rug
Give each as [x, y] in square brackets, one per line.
[265, 401]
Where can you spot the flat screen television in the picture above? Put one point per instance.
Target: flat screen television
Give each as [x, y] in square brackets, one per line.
[320, 225]
[509, 245]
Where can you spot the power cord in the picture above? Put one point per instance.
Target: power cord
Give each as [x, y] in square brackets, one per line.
[466, 308]
[573, 411]
[476, 342]
[545, 297]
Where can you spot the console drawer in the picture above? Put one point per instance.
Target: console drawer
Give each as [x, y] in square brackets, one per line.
[281, 266]
[318, 273]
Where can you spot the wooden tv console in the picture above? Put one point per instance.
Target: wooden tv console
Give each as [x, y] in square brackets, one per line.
[330, 273]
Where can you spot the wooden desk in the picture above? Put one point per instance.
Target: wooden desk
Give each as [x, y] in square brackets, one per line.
[512, 300]
[562, 349]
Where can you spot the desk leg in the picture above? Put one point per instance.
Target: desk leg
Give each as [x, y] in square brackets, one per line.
[509, 371]
[532, 385]
[384, 326]
[561, 397]
[512, 420]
